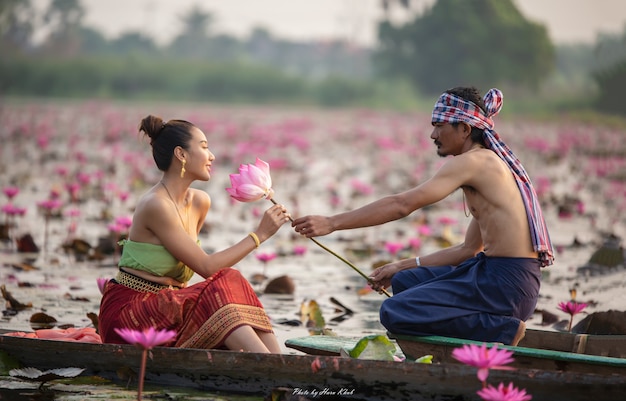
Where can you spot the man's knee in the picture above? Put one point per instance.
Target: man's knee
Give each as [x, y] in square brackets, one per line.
[397, 283]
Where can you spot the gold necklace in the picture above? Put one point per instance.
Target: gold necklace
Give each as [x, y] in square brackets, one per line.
[178, 211]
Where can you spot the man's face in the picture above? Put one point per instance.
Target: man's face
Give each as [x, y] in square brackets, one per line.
[448, 139]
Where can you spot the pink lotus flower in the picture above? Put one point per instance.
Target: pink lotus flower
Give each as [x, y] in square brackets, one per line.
[102, 283]
[11, 192]
[502, 393]
[50, 204]
[361, 187]
[393, 247]
[447, 221]
[424, 230]
[124, 221]
[266, 257]
[299, 250]
[252, 183]
[573, 308]
[415, 243]
[12, 210]
[483, 358]
[146, 339]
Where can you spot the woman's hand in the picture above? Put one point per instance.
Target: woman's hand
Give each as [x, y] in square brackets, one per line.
[313, 226]
[272, 220]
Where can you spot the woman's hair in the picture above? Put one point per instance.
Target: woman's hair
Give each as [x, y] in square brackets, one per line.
[471, 94]
[165, 137]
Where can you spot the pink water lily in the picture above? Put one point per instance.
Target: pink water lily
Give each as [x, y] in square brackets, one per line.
[102, 283]
[266, 256]
[299, 250]
[573, 308]
[252, 183]
[393, 247]
[483, 358]
[146, 339]
[502, 393]
[11, 192]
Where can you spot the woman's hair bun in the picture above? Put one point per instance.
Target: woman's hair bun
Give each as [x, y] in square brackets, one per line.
[152, 126]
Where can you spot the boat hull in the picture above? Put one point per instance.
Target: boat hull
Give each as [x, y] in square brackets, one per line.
[307, 375]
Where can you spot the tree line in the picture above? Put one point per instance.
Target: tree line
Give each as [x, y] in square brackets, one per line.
[486, 43]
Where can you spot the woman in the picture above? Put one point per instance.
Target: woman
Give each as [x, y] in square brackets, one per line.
[162, 253]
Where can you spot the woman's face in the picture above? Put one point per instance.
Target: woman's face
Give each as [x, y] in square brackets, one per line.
[199, 157]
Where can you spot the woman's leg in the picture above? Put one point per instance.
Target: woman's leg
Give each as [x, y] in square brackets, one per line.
[270, 341]
[244, 338]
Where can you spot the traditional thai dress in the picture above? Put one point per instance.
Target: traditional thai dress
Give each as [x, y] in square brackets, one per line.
[203, 314]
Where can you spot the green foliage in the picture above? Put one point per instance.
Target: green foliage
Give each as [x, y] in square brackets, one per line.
[373, 347]
[335, 91]
[612, 86]
[482, 42]
[148, 77]
[7, 363]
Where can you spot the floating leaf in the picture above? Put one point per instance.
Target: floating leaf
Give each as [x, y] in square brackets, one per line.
[14, 304]
[311, 315]
[377, 347]
[41, 320]
[425, 359]
[25, 267]
[34, 374]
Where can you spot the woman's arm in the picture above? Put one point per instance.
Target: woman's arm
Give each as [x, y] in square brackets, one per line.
[163, 221]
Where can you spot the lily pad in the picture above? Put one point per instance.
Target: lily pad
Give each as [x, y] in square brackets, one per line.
[377, 347]
[34, 374]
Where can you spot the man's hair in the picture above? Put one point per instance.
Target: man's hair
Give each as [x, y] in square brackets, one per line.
[471, 94]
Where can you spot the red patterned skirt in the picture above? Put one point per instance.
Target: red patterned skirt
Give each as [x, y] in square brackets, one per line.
[203, 314]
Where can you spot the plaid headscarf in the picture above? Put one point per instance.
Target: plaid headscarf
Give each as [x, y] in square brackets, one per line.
[453, 109]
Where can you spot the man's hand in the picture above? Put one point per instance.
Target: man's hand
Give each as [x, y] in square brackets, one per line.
[381, 277]
[312, 226]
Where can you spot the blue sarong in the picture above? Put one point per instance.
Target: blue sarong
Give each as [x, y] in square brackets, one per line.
[482, 299]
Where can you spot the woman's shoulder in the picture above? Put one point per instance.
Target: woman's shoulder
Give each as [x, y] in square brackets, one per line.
[151, 202]
[200, 197]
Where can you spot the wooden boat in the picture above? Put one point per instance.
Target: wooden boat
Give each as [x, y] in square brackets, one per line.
[311, 376]
[539, 349]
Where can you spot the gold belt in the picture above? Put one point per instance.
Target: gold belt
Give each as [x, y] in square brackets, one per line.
[139, 284]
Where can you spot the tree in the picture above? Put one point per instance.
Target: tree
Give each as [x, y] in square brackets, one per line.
[193, 42]
[459, 42]
[612, 86]
[64, 18]
[133, 42]
[610, 73]
[16, 25]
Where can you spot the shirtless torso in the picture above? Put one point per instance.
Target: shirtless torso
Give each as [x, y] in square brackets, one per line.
[493, 198]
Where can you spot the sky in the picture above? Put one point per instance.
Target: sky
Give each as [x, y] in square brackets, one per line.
[568, 21]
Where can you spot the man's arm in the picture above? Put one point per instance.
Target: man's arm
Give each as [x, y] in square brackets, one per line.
[452, 175]
[456, 254]
[452, 256]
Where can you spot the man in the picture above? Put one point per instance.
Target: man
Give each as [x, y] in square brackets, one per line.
[486, 287]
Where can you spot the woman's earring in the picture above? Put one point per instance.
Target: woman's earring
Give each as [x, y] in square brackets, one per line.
[182, 168]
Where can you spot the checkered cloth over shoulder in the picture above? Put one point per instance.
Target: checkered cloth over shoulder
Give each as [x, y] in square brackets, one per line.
[453, 109]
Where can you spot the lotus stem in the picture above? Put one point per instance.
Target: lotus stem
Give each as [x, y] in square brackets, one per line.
[344, 260]
[142, 373]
